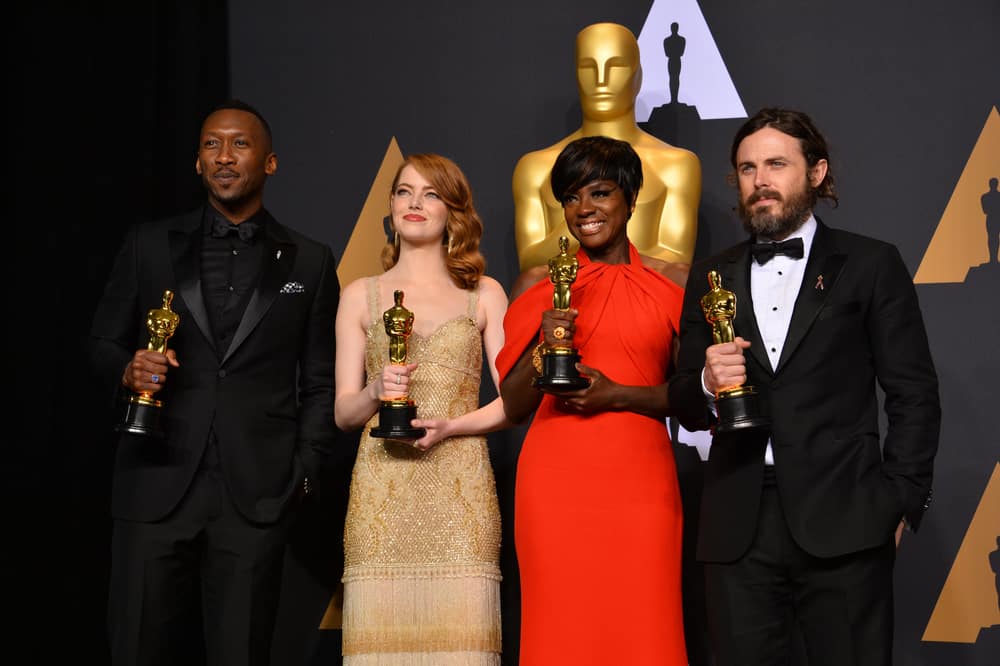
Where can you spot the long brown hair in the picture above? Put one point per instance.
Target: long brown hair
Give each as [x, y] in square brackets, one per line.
[463, 229]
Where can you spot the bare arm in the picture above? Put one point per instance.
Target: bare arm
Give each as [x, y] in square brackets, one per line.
[520, 399]
[604, 395]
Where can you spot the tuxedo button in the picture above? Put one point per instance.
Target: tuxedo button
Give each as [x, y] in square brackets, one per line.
[222, 374]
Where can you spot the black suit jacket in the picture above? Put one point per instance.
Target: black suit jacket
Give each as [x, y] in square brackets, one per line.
[269, 397]
[856, 328]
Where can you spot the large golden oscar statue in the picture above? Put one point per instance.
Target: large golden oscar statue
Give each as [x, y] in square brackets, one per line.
[665, 222]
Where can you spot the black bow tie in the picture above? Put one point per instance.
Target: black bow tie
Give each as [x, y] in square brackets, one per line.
[764, 252]
[245, 230]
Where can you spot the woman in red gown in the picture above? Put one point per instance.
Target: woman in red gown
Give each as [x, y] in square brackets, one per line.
[597, 521]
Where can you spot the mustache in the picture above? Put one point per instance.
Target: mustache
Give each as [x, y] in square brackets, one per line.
[764, 194]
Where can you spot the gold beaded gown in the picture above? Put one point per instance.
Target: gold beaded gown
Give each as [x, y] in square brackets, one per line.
[422, 535]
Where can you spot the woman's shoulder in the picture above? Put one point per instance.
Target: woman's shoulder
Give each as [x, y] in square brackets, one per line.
[357, 294]
[490, 288]
[675, 271]
[357, 287]
[527, 279]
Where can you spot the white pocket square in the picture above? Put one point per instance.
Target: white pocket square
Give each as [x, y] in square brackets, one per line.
[293, 288]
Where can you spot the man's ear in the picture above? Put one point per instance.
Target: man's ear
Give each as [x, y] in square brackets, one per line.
[817, 173]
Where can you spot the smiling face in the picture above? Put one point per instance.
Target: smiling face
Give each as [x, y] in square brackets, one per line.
[596, 215]
[234, 160]
[777, 188]
[419, 214]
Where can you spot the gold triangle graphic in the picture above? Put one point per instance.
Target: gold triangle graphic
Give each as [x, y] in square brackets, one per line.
[959, 242]
[361, 257]
[333, 617]
[968, 601]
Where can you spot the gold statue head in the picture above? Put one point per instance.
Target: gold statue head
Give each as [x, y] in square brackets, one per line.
[161, 323]
[608, 73]
[719, 308]
[398, 323]
[562, 273]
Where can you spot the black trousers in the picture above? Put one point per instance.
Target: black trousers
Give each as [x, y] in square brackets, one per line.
[200, 586]
[841, 607]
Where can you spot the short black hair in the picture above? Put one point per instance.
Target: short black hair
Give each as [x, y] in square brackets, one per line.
[593, 158]
[240, 105]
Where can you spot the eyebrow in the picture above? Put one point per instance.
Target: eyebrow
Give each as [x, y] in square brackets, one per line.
[766, 160]
[429, 187]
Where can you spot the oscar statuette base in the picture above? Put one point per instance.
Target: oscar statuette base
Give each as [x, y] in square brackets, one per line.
[559, 371]
[142, 417]
[394, 421]
[739, 409]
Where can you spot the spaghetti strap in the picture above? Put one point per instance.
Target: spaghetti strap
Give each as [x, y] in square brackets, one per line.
[473, 304]
[374, 298]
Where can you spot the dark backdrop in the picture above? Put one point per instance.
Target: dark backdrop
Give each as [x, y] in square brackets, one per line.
[105, 108]
[104, 113]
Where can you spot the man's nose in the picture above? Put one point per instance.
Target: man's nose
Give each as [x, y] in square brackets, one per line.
[225, 155]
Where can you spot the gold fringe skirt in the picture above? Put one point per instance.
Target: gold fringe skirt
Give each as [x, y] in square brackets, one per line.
[441, 615]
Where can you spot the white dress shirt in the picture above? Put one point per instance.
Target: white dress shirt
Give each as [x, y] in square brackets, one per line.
[774, 288]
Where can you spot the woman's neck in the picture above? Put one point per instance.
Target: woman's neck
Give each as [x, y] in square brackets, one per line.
[425, 262]
[618, 253]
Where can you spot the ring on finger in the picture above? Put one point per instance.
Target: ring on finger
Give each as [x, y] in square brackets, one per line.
[155, 379]
[559, 332]
[397, 378]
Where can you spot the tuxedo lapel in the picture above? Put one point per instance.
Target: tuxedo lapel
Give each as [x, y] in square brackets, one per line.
[185, 255]
[818, 282]
[736, 278]
[279, 257]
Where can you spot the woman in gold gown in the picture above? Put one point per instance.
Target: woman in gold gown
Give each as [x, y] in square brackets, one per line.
[422, 535]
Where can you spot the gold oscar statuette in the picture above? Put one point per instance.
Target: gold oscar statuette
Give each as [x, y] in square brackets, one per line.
[394, 415]
[738, 406]
[142, 414]
[557, 362]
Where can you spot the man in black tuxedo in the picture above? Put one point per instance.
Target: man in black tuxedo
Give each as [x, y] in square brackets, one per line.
[202, 515]
[798, 519]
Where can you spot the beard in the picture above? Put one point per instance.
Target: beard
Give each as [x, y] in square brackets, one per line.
[778, 220]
